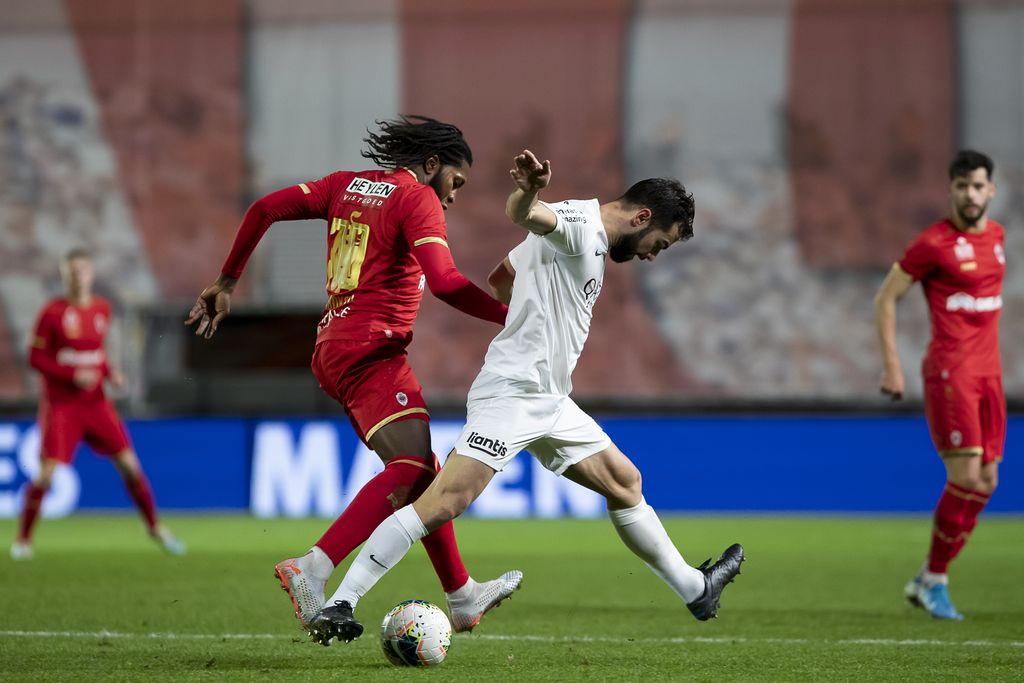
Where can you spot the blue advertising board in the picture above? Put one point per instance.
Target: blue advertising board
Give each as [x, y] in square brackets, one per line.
[299, 468]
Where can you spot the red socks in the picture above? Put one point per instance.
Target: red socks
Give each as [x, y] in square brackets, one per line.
[142, 495]
[956, 515]
[403, 480]
[30, 511]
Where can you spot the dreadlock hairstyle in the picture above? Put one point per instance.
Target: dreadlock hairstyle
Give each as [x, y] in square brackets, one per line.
[411, 140]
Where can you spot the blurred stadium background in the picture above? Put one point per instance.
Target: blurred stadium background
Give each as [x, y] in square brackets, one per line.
[814, 134]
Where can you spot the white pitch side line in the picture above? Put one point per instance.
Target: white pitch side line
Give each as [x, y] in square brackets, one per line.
[719, 640]
[725, 640]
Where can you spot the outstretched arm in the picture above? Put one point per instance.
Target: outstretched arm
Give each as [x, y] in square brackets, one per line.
[530, 177]
[214, 303]
[895, 285]
[450, 286]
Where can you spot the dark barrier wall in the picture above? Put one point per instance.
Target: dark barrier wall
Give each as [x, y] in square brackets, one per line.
[298, 468]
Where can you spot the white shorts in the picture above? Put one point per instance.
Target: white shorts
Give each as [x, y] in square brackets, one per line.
[502, 421]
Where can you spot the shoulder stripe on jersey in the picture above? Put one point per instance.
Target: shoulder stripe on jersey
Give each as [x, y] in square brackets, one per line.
[430, 240]
[305, 188]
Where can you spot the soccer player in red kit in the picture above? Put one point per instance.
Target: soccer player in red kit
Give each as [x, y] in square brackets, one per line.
[67, 350]
[960, 262]
[386, 240]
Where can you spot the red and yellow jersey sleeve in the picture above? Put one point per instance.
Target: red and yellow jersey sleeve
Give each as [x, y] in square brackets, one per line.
[422, 218]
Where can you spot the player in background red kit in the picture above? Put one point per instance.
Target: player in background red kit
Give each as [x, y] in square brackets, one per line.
[67, 350]
[960, 263]
[386, 239]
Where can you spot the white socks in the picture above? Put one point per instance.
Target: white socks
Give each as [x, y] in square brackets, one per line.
[386, 546]
[320, 566]
[642, 532]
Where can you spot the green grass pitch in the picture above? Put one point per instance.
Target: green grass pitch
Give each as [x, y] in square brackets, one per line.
[819, 599]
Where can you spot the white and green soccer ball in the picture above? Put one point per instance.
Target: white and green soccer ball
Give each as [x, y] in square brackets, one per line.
[416, 633]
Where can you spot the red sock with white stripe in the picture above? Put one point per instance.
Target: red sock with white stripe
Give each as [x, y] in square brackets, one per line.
[948, 530]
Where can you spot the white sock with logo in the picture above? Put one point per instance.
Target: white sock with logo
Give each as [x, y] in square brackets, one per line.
[642, 532]
[385, 548]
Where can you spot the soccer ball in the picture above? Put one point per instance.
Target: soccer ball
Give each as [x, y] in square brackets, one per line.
[416, 633]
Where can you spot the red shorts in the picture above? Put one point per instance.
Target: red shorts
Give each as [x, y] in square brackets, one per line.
[371, 380]
[966, 416]
[62, 427]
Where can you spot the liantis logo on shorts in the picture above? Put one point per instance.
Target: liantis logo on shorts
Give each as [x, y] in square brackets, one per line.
[493, 447]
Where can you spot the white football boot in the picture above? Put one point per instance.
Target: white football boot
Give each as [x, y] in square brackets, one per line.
[21, 550]
[305, 589]
[468, 605]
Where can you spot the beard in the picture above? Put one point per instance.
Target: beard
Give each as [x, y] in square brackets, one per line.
[437, 185]
[625, 248]
[968, 220]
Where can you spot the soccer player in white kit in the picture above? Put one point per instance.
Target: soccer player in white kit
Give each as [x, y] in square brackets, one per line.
[520, 400]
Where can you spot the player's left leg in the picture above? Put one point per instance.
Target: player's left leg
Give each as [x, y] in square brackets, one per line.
[106, 433]
[610, 473]
[137, 485]
[457, 485]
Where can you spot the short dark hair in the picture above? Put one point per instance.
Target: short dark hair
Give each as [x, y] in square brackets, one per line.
[966, 160]
[668, 201]
[411, 140]
[77, 252]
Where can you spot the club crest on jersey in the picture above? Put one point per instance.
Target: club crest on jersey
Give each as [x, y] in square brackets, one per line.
[402, 398]
[963, 249]
[72, 323]
[956, 438]
[1000, 254]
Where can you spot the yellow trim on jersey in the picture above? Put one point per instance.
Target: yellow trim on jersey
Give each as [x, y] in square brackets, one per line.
[391, 418]
[970, 265]
[417, 463]
[430, 240]
[304, 188]
[38, 343]
[950, 539]
[966, 496]
[959, 452]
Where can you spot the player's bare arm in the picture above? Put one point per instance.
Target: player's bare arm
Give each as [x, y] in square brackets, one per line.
[895, 285]
[501, 279]
[212, 306]
[530, 176]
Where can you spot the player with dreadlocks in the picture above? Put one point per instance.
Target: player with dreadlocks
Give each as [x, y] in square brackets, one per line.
[386, 238]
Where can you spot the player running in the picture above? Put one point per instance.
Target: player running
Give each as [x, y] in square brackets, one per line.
[68, 351]
[520, 400]
[960, 263]
[386, 239]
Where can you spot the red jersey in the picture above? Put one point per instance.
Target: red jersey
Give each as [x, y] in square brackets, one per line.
[386, 239]
[374, 219]
[962, 276]
[69, 337]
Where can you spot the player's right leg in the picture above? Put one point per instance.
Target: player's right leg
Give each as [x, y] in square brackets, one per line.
[457, 485]
[610, 473]
[21, 549]
[61, 429]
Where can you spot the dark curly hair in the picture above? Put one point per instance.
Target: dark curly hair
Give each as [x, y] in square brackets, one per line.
[966, 160]
[668, 201]
[410, 140]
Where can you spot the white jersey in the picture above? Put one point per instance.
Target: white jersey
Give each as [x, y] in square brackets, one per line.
[558, 279]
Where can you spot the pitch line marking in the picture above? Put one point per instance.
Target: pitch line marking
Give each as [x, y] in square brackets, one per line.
[717, 640]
